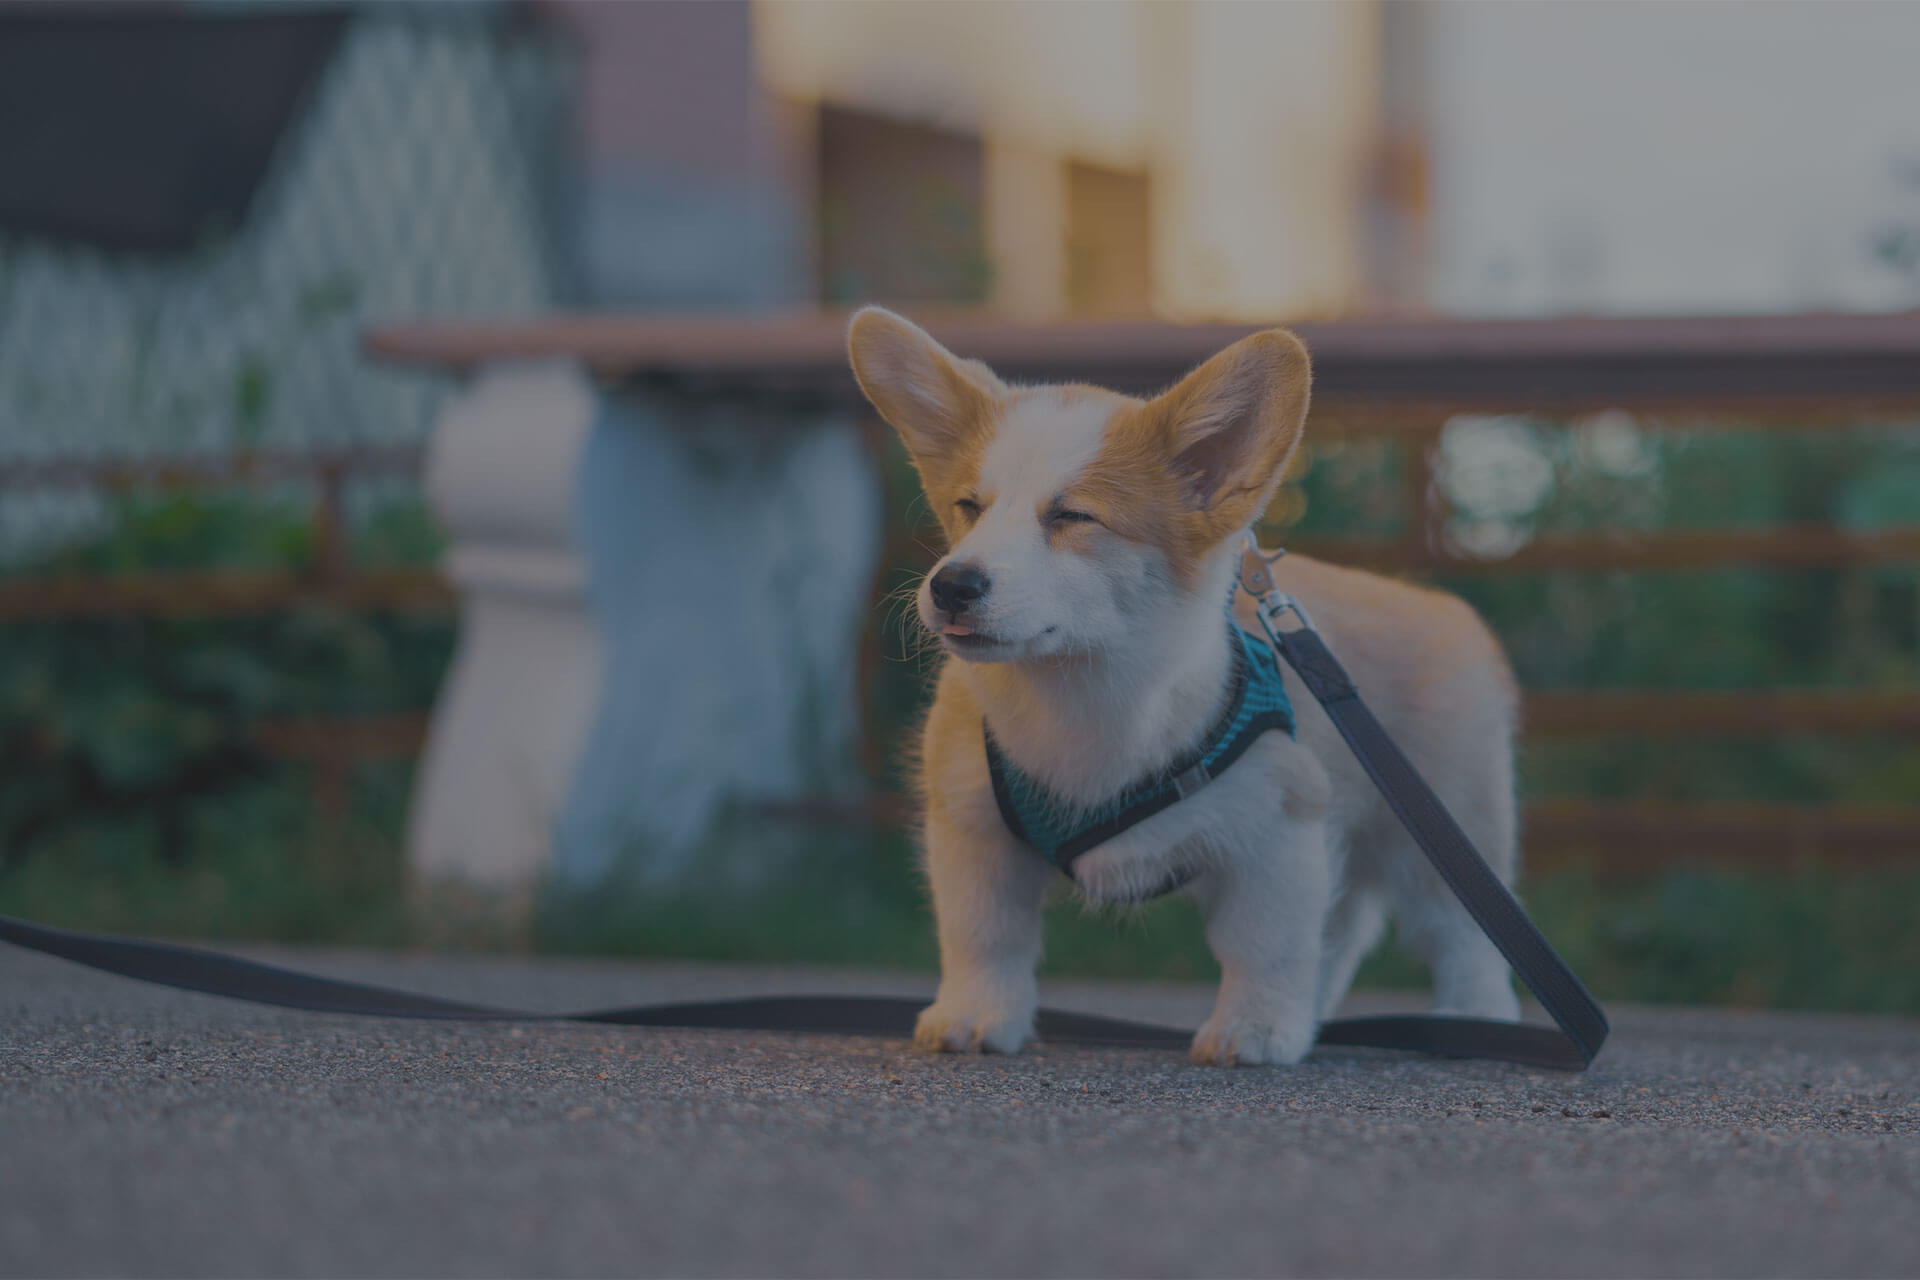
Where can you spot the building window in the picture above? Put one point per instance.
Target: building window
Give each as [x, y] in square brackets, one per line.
[900, 215]
[1109, 241]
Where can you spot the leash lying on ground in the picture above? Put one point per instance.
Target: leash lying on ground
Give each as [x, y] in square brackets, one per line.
[211, 973]
[1582, 1027]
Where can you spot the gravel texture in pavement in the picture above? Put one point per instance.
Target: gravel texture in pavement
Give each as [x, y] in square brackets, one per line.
[149, 1132]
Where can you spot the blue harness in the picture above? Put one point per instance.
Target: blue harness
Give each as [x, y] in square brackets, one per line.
[1060, 831]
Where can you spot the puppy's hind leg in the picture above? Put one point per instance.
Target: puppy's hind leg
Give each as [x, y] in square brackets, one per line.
[1470, 977]
[1354, 926]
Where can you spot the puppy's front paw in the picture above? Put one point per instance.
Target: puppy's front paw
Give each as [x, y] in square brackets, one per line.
[1226, 1039]
[960, 1026]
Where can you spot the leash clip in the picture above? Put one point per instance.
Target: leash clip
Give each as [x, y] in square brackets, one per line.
[1256, 579]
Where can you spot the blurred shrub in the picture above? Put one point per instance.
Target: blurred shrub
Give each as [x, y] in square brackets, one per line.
[127, 745]
[243, 861]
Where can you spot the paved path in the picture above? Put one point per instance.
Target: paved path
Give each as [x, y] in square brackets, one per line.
[145, 1132]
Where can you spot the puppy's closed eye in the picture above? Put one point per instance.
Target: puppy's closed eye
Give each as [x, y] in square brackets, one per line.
[1059, 517]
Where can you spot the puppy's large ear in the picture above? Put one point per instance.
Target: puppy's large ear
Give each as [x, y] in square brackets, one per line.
[1232, 424]
[935, 400]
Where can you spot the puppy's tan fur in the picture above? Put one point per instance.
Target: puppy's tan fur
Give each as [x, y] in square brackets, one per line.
[1109, 529]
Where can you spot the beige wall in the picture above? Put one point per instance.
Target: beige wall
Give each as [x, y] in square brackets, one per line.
[1255, 123]
[1691, 158]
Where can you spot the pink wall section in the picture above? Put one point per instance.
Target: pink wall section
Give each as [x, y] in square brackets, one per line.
[688, 181]
[668, 85]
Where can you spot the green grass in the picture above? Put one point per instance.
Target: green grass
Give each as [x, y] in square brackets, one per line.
[255, 867]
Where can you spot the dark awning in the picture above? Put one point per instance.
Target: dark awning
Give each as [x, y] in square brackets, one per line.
[146, 130]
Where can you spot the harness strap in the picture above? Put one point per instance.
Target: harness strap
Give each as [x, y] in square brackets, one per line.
[1058, 831]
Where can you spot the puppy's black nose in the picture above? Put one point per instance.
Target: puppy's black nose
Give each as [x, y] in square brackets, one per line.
[956, 587]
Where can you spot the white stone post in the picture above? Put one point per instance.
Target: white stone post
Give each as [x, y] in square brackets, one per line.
[502, 471]
[661, 602]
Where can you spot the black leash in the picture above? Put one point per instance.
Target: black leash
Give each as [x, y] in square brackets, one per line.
[1582, 1025]
[211, 973]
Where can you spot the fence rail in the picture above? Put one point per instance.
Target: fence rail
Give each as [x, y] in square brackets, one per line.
[324, 466]
[331, 577]
[1803, 546]
[329, 745]
[217, 595]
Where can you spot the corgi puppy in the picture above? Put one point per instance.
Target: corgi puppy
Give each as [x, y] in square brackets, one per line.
[1093, 541]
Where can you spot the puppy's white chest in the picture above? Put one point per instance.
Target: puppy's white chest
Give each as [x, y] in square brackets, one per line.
[1242, 806]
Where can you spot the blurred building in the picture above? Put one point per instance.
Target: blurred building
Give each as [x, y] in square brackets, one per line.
[1738, 157]
[1251, 160]
[1110, 157]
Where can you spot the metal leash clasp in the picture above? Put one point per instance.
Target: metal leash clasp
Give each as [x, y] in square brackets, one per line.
[1256, 579]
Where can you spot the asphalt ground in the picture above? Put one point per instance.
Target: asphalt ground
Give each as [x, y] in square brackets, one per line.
[148, 1132]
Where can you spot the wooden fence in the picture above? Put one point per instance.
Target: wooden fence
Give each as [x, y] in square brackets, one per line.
[330, 576]
[1401, 381]
[330, 746]
[1636, 837]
